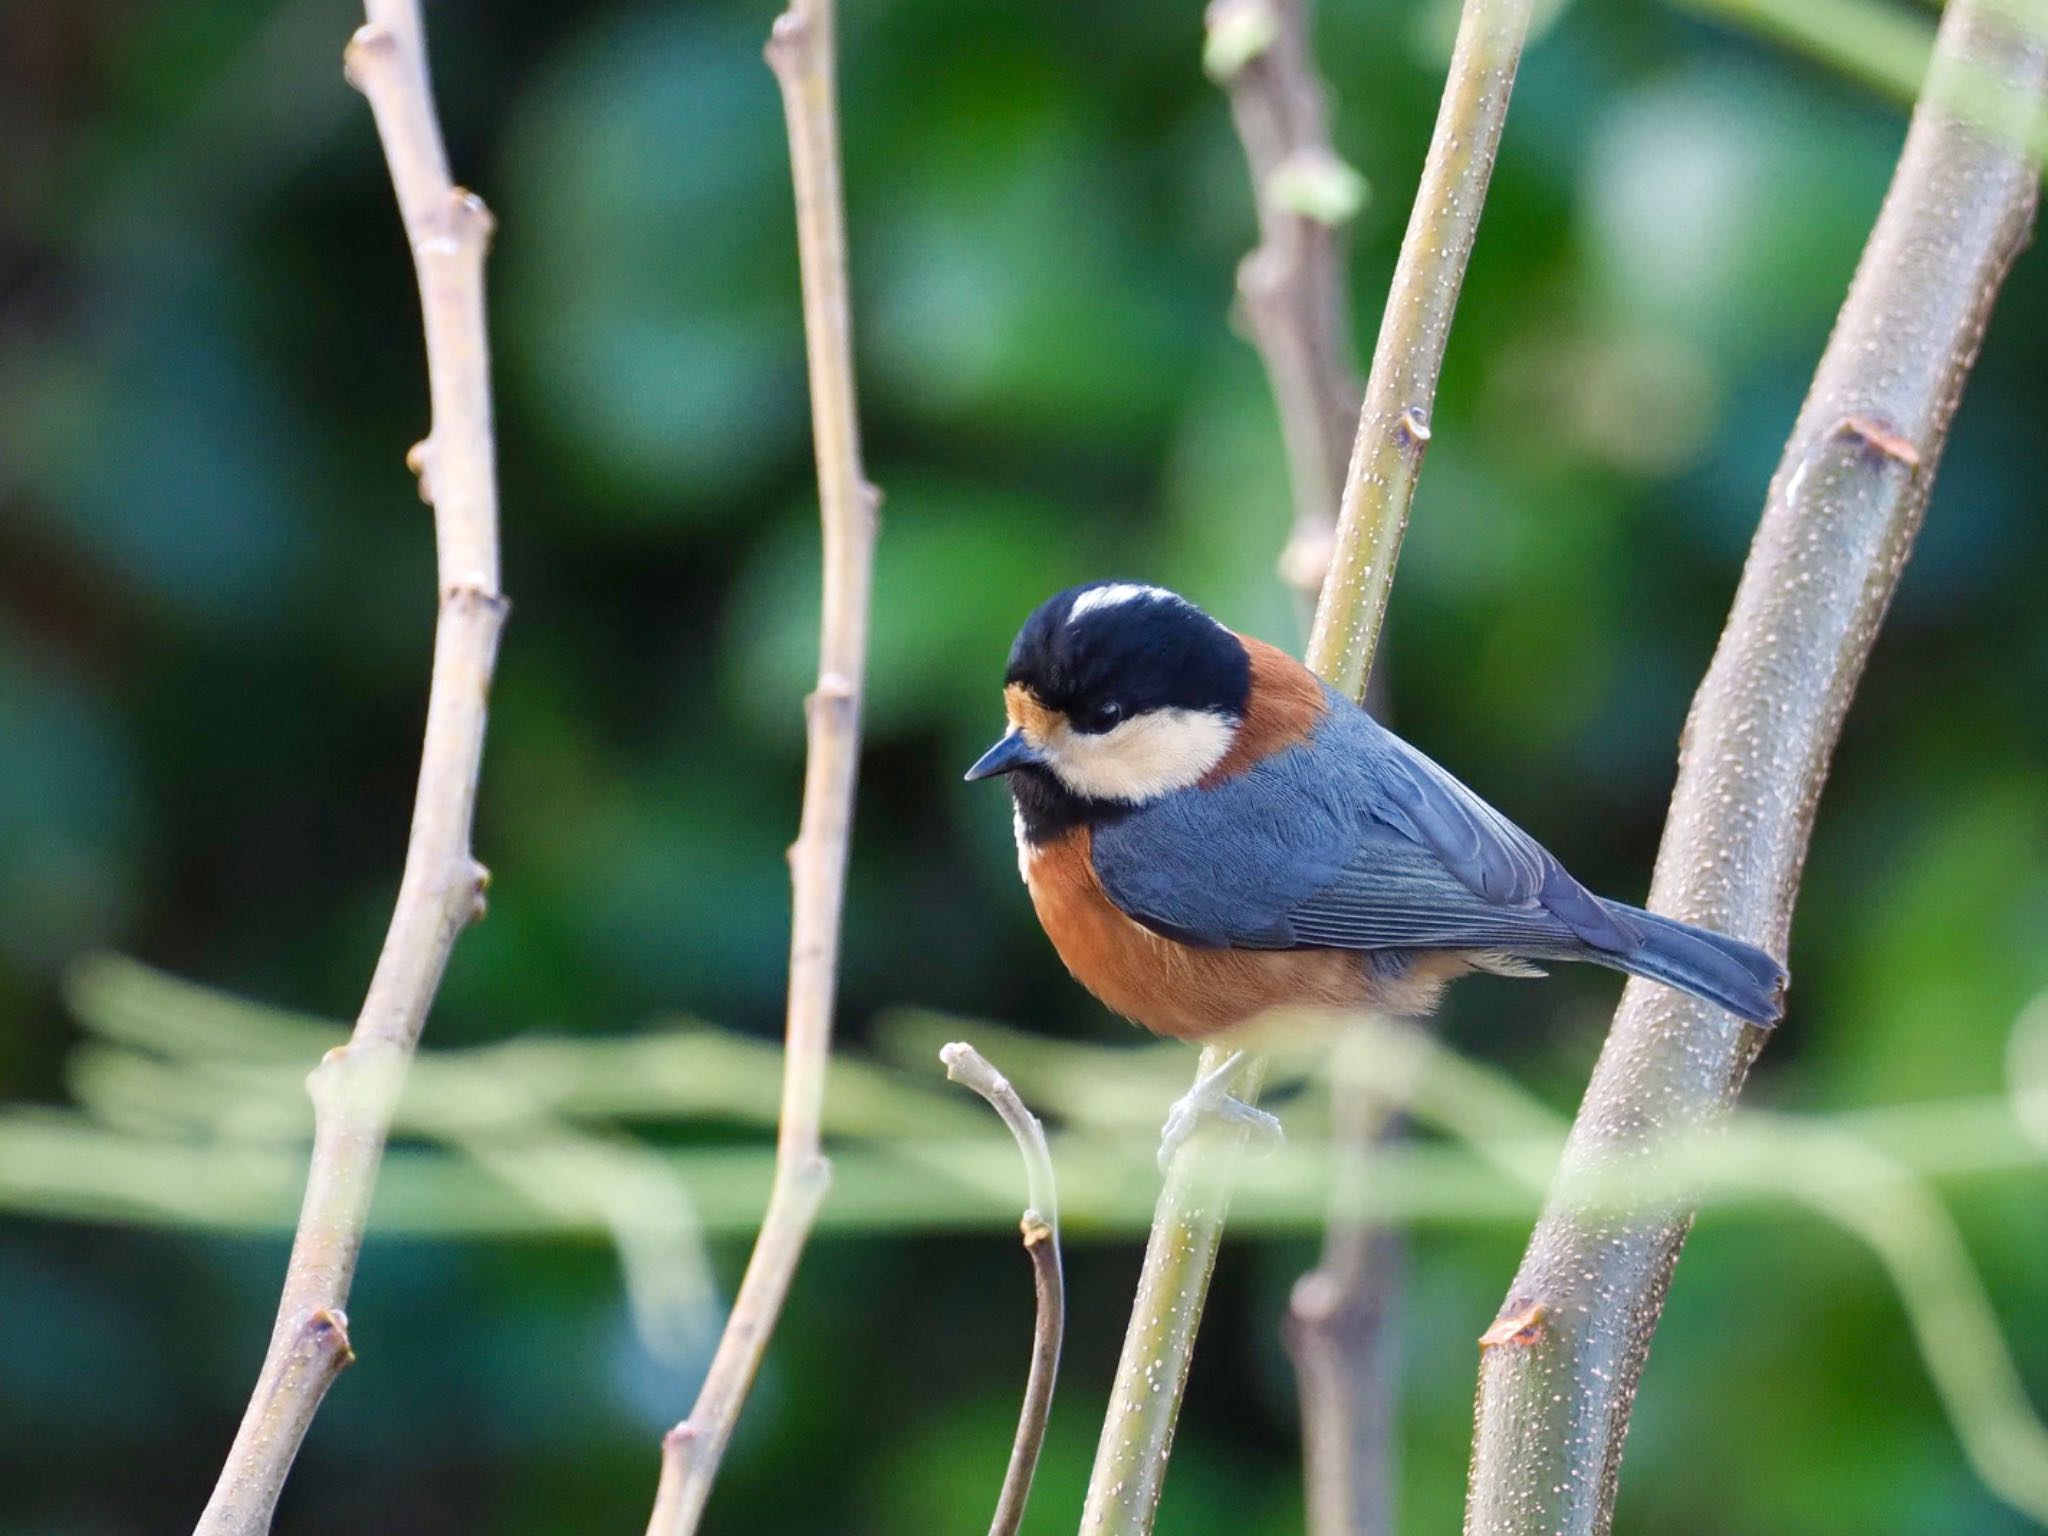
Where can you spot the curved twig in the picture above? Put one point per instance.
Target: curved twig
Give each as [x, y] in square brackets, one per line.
[1836, 530]
[800, 51]
[1041, 1229]
[441, 892]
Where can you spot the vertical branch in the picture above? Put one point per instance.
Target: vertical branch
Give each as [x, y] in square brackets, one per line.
[1340, 1322]
[800, 51]
[1041, 1229]
[1187, 1223]
[1341, 1327]
[1293, 285]
[1560, 1367]
[356, 1085]
[1400, 394]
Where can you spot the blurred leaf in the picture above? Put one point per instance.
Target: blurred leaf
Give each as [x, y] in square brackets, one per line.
[649, 280]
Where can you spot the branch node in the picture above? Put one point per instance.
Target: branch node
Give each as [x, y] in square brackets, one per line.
[476, 594]
[786, 40]
[1879, 435]
[1316, 1298]
[679, 1438]
[1413, 427]
[1521, 1324]
[479, 891]
[325, 1333]
[419, 459]
[369, 44]
[1239, 31]
[1317, 183]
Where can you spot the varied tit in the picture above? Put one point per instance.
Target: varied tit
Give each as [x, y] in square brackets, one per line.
[1208, 831]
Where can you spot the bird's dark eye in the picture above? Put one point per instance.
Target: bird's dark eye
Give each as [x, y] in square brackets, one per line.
[1101, 717]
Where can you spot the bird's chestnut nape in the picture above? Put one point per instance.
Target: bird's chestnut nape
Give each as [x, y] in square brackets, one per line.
[1116, 694]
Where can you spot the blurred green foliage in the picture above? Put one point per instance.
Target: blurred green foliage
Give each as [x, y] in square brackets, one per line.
[216, 599]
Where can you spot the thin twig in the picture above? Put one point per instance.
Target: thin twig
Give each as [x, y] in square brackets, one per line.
[1187, 1223]
[441, 892]
[1293, 286]
[1041, 1229]
[800, 51]
[1836, 530]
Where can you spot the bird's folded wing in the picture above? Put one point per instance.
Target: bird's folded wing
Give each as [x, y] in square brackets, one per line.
[1491, 856]
[1353, 841]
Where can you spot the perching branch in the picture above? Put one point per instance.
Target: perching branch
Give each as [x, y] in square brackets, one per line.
[800, 51]
[1187, 1223]
[1554, 1395]
[1293, 286]
[441, 891]
[1041, 1228]
[1400, 394]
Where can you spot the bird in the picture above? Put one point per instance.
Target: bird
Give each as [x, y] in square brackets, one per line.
[1208, 832]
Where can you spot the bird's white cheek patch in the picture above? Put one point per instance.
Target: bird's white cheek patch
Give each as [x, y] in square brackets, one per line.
[1150, 755]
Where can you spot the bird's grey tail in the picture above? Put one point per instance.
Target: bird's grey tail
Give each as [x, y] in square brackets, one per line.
[1711, 966]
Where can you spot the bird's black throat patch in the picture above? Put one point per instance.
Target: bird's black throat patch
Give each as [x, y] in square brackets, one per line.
[1048, 808]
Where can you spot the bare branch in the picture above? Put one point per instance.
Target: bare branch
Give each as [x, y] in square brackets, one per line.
[800, 51]
[1041, 1229]
[1837, 527]
[1293, 286]
[441, 892]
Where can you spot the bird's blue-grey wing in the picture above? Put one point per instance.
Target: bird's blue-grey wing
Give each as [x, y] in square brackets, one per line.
[1224, 868]
[1491, 856]
[1355, 841]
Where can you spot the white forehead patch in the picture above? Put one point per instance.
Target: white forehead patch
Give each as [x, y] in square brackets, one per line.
[1146, 756]
[1115, 595]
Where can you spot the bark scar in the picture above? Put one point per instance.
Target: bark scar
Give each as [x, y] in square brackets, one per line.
[1520, 1324]
[1878, 435]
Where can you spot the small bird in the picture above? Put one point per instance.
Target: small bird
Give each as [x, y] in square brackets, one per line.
[1209, 831]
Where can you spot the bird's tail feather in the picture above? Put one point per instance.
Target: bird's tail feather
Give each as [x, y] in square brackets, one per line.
[1711, 966]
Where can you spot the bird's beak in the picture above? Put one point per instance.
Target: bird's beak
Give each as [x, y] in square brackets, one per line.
[1006, 756]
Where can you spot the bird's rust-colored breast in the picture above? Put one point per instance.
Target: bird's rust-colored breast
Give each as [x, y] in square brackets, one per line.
[1170, 988]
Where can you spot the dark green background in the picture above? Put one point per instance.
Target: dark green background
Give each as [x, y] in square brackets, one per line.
[216, 598]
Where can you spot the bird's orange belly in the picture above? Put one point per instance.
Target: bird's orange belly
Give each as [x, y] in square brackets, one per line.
[1170, 988]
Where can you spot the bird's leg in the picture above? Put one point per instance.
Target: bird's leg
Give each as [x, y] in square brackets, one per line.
[1211, 1096]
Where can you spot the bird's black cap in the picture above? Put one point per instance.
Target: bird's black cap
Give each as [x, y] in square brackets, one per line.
[1111, 649]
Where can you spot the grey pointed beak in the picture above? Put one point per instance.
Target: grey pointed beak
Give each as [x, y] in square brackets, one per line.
[1006, 756]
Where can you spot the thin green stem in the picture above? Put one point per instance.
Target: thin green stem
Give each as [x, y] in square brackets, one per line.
[1400, 393]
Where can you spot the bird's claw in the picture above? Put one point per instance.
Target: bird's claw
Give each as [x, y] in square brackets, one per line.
[1210, 1098]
